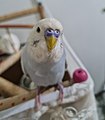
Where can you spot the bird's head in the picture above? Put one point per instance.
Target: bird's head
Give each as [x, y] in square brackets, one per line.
[46, 35]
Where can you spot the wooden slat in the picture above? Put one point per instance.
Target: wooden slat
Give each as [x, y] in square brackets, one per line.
[9, 62]
[41, 11]
[15, 100]
[16, 26]
[8, 89]
[18, 14]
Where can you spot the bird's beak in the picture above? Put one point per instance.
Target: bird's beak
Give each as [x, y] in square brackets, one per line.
[51, 42]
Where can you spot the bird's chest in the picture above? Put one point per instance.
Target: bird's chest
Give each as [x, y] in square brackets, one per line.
[46, 69]
[45, 73]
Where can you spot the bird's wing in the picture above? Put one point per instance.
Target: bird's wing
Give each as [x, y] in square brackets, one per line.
[22, 66]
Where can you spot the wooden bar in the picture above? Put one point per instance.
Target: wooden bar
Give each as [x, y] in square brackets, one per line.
[18, 14]
[8, 89]
[15, 100]
[16, 26]
[9, 62]
[41, 10]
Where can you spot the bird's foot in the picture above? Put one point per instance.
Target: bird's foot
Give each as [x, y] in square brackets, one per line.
[37, 100]
[37, 103]
[61, 94]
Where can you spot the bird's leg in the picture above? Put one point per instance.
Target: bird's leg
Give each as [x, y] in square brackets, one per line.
[61, 94]
[37, 99]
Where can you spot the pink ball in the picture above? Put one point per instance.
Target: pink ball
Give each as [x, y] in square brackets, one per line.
[80, 75]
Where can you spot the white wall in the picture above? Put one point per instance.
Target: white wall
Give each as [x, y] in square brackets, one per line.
[84, 27]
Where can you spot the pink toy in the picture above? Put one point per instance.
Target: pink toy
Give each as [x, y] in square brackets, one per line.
[80, 75]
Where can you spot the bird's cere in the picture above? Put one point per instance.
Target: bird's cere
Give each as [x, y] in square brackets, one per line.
[49, 32]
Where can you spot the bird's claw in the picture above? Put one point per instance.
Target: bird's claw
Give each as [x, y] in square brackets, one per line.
[37, 100]
[37, 103]
[61, 94]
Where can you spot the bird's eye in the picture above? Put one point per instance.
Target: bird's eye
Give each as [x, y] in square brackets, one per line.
[38, 29]
[57, 33]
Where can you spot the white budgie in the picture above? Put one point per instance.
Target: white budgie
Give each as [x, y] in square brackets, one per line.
[43, 57]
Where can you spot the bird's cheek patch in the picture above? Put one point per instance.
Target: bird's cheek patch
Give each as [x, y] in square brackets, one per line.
[35, 43]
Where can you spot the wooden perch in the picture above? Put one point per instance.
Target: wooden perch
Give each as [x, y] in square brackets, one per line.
[15, 100]
[16, 26]
[8, 89]
[9, 62]
[18, 14]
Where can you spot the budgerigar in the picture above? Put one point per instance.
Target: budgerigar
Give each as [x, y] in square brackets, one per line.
[43, 57]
